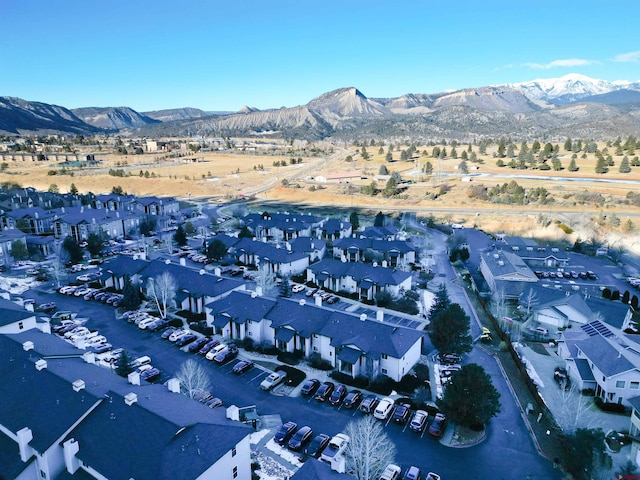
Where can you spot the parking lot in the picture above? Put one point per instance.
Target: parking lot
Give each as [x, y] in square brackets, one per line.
[243, 390]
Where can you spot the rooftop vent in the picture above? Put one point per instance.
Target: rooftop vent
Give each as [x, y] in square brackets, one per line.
[254, 294]
[41, 364]
[167, 262]
[302, 302]
[363, 316]
[28, 345]
[202, 271]
[130, 398]
[173, 384]
[501, 262]
[78, 385]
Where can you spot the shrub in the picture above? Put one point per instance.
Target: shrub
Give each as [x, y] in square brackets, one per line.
[409, 383]
[382, 385]
[175, 322]
[609, 407]
[359, 382]
[422, 371]
[319, 363]
[248, 344]
[267, 349]
[290, 358]
[294, 376]
[565, 228]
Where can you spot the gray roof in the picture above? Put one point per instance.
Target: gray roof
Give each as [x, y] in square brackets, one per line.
[267, 251]
[605, 356]
[503, 263]
[582, 365]
[314, 469]
[36, 399]
[380, 276]
[385, 246]
[635, 402]
[11, 312]
[156, 447]
[10, 463]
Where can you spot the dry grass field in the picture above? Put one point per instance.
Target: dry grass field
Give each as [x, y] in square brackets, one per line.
[443, 194]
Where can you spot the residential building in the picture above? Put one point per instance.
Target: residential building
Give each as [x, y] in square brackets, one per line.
[281, 261]
[391, 253]
[506, 273]
[365, 280]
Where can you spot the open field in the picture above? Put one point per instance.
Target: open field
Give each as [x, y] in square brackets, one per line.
[443, 194]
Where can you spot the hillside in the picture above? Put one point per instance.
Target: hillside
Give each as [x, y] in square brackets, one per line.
[19, 116]
[113, 118]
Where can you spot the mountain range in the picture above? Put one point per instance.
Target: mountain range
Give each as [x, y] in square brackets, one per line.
[572, 105]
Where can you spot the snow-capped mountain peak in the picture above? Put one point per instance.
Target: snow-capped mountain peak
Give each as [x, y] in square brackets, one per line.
[568, 88]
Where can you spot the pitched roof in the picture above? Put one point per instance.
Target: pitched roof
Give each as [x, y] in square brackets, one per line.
[582, 365]
[379, 232]
[268, 252]
[609, 360]
[360, 271]
[10, 463]
[306, 244]
[379, 245]
[502, 264]
[12, 312]
[242, 306]
[156, 447]
[36, 399]
[314, 469]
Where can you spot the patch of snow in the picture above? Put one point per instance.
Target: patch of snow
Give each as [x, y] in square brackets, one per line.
[257, 436]
[17, 285]
[284, 453]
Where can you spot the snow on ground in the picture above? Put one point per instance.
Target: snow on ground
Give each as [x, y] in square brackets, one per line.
[270, 469]
[17, 285]
[284, 453]
[257, 436]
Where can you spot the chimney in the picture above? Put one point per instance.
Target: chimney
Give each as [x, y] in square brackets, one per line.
[28, 345]
[134, 378]
[216, 271]
[258, 290]
[318, 300]
[288, 246]
[89, 357]
[183, 262]
[41, 364]
[302, 302]
[384, 264]
[78, 385]
[71, 447]
[24, 437]
[130, 398]
[363, 316]
[254, 294]
[173, 385]
[380, 315]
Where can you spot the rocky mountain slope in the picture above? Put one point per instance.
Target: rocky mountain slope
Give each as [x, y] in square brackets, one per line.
[113, 118]
[573, 105]
[18, 116]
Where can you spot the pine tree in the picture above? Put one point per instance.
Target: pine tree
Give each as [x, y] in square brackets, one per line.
[624, 165]
[601, 165]
[572, 166]
[567, 144]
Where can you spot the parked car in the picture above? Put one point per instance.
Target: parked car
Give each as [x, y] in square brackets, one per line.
[300, 438]
[177, 335]
[242, 366]
[186, 340]
[208, 346]
[272, 380]
[227, 354]
[211, 354]
[338, 394]
[324, 392]
[168, 332]
[336, 447]
[392, 472]
[352, 399]
[151, 374]
[369, 404]
[47, 307]
[383, 410]
[310, 387]
[101, 348]
[158, 324]
[198, 344]
[285, 432]
[439, 423]
[419, 421]
[213, 402]
[432, 476]
[297, 288]
[412, 473]
[401, 413]
[317, 445]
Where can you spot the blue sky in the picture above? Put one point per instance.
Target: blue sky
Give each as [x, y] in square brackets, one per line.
[223, 54]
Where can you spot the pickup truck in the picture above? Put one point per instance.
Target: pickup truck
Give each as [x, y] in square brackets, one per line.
[272, 380]
[336, 447]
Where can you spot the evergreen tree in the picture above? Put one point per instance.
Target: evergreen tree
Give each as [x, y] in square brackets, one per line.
[535, 147]
[73, 249]
[511, 150]
[601, 165]
[383, 170]
[245, 233]
[123, 364]
[556, 164]
[180, 237]
[428, 168]
[19, 250]
[624, 165]
[131, 298]
[285, 287]
[95, 244]
[454, 153]
[216, 249]
[572, 166]
[354, 219]
[73, 190]
[501, 148]
[388, 157]
[379, 220]
[567, 144]
[441, 301]
[449, 330]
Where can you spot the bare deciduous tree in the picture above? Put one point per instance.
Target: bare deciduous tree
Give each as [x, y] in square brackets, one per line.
[574, 411]
[369, 450]
[162, 290]
[266, 280]
[193, 378]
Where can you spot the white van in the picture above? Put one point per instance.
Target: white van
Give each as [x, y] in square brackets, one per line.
[138, 362]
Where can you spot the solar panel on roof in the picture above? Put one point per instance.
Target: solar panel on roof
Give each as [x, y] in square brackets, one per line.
[589, 330]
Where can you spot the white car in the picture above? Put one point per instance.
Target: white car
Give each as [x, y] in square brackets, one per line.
[75, 331]
[272, 380]
[97, 340]
[211, 354]
[145, 322]
[336, 447]
[177, 335]
[297, 288]
[384, 408]
[392, 472]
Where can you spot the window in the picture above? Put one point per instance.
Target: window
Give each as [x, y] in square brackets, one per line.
[233, 452]
[384, 356]
[43, 474]
[235, 472]
[634, 385]
[315, 349]
[620, 384]
[20, 325]
[250, 334]
[384, 370]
